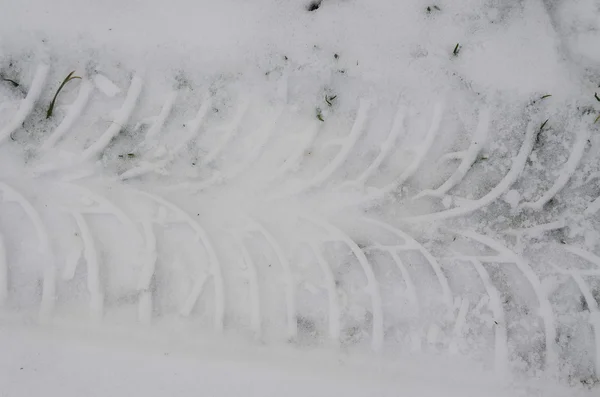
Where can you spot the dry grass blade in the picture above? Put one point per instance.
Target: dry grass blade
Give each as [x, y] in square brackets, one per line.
[65, 81]
[14, 83]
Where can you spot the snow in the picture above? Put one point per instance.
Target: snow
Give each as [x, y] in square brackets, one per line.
[107, 87]
[515, 53]
[222, 167]
[53, 361]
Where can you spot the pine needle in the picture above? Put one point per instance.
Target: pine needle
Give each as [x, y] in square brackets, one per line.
[330, 99]
[65, 81]
[456, 49]
[14, 83]
[320, 115]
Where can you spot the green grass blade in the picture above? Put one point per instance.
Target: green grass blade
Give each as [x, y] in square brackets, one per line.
[456, 49]
[65, 81]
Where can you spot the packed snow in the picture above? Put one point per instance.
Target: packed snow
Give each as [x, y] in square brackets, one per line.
[269, 197]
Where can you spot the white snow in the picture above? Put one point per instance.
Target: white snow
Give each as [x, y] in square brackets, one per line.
[107, 87]
[57, 362]
[266, 131]
[512, 197]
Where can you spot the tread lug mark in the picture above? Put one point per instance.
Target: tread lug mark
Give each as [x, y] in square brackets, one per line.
[295, 159]
[509, 179]
[334, 305]
[537, 229]
[49, 283]
[215, 265]
[161, 118]
[438, 112]
[410, 287]
[588, 256]
[105, 206]
[500, 330]
[148, 271]
[150, 142]
[269, 127]
[121, 119]
[255, 320]
[372, 283]
[145, 302]
[75, 110]
[231, 130]
[545, 310]
[588, 296]
[467, 158]
[566, 173]
[292, 323]
[347, 144]
[72, 260]
[386, 148]
[28, 103]
[190, 302]
[93, 268]
[413, 244]
[459, 325]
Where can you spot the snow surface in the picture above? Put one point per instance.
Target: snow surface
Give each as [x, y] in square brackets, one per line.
[65, 363]
[372, 55]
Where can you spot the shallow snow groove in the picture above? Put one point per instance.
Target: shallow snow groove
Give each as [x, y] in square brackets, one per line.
[27, 105]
